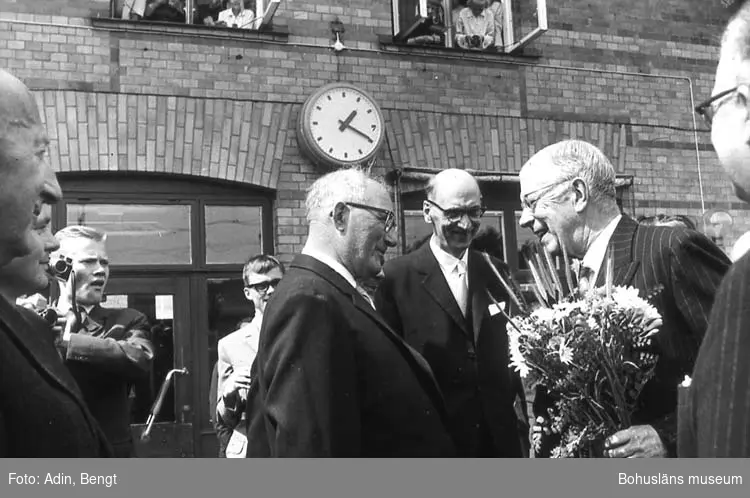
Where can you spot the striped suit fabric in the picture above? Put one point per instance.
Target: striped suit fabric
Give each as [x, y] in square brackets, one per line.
[687, 268]
[714, 417]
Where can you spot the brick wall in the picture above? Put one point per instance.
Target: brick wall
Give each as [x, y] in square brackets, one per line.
[623, 74]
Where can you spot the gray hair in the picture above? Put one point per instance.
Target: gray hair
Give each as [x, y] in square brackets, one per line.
[344, 185]
[737, 33]
[80, 232]
[576, 158]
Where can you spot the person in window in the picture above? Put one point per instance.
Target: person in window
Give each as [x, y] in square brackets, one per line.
[107, 350]
[133, 9]
[498, 13]
[432, 31]
[236, 16]
[475, 26]
[165, 11]
[208, 11]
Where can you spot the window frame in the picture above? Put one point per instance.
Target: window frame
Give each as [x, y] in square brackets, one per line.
[112, 188]
[260, 22]
[510, 44]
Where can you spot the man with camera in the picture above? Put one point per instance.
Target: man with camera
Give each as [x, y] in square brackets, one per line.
[106, 350]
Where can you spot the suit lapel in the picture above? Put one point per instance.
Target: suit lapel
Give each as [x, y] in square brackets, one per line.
[478, 292]
[436, 286]
[42, 355]
[621, 243]
[420, 365]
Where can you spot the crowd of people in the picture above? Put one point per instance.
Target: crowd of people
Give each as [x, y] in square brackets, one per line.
[348, 355]
[238, 14]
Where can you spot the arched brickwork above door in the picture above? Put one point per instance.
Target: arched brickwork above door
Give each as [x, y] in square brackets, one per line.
[239, 141]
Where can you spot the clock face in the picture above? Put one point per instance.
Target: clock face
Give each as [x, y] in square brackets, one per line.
[345, 125]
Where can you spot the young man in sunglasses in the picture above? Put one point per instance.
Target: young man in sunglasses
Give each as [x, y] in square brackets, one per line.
[437, 299]
[237, 351]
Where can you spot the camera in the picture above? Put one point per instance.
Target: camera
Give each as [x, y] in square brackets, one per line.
[475, 41]
[62, 267]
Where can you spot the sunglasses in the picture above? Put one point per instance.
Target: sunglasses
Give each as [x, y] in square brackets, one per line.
[265, 285]
[384, 215]
[455, 214]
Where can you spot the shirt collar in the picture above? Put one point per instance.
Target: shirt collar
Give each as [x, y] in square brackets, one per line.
[446, 261]
[598, 248]
[253, 325]
[332, 263]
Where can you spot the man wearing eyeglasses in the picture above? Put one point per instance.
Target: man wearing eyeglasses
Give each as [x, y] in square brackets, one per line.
[568, 198]
[261, 274]
[437, 298]
[333, 380]
[715, 414]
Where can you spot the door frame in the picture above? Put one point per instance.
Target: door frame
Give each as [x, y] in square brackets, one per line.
[184, 424]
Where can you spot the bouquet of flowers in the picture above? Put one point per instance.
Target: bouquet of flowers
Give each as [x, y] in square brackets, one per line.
[589, 349]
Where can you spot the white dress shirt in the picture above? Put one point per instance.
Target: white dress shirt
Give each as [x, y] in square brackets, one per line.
[598, 249]
[340, 269]
[243, 20]
[455, 272]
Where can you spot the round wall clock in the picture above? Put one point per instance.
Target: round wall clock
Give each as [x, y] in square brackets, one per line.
[340, 125]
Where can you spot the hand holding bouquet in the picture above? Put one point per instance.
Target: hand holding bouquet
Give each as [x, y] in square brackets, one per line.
[592, 351]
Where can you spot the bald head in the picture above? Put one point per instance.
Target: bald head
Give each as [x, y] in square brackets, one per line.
[26, 179]
[17, 105]
[451, 181]
[454, 209]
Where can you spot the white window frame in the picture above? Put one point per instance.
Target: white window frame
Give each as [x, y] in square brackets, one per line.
[510, 44]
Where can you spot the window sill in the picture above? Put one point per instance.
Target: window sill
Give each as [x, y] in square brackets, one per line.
[270, 33]
[389, 44]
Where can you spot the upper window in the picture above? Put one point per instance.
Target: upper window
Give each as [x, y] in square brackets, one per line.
[231, 14]
[477, 25]
[139, 234]
[233, 233]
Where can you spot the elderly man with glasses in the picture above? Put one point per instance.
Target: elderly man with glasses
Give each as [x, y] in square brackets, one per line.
[715, 415]
[437, 298]
[568, 197]
[333, 380]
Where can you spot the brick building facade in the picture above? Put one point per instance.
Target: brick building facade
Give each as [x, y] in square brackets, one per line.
[160, 109]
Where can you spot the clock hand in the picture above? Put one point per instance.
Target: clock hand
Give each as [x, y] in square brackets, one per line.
[355, 130]
[348, 120]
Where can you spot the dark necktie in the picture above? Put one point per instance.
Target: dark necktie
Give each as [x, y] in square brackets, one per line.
[366, 296]
[585, 275]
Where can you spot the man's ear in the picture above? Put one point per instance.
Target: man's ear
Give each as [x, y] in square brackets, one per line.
[246, 290]
[743, 94]
[426, 212]
[340, 215]
[581, 192]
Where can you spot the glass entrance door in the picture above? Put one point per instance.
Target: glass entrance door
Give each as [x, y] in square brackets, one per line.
[162, 429]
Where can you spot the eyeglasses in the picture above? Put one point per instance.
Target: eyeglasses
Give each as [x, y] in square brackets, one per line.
[455, 214]
[263, 287]
[389, 219]
[707, 109]
[531, 205]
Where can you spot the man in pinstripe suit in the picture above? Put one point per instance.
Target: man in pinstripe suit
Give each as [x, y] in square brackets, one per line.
[568, 196]
[714, 413]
